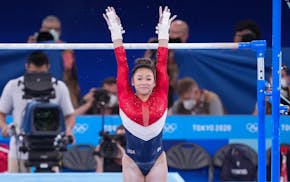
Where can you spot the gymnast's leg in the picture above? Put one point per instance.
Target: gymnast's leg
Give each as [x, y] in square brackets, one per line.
[131, 171]
[159, 171]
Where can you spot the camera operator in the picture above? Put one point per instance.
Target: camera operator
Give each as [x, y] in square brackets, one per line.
[101, 100]
[112, 163]
[12, 101]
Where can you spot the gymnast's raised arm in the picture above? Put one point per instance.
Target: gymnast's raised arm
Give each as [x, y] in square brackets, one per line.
[162, 29]
[163, 26]
[114, 24]
[116, 29]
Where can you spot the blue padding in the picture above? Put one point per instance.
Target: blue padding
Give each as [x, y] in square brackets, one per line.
[185, 128]
[73, 177]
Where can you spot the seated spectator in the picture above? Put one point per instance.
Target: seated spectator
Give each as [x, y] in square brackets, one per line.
[246, 31]
[285, 85]
[195, 101]
[112, 164]
[101, 100]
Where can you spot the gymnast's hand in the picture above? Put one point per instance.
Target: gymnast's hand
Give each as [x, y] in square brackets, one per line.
[162, 28]
[114, 23]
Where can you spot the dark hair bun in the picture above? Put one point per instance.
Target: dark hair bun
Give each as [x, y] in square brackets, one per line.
[144, 61]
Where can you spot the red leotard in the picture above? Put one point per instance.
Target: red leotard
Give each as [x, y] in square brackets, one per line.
[143, 121]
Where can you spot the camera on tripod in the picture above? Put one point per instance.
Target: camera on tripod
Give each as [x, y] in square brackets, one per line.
[42, 130]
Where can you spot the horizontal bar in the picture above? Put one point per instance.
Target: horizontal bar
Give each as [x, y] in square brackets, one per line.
[107, 46]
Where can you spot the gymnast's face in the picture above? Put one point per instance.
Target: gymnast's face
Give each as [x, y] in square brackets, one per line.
[143, 81]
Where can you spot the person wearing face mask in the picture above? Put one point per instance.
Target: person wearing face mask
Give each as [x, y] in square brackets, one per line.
[284, 91]
[285, 86]
[195, 101]
[50, 30]
[179, 31]
[101, 100]
[49, 24]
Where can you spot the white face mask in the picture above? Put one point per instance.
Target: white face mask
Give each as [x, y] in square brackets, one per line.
[189, 103]
[55, 34]
[284, 93]
[283, 83]
[113, 100]
[284, 89]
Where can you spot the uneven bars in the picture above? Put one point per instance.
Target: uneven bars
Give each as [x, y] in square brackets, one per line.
[107, 46]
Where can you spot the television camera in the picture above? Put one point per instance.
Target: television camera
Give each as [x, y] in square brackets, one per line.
[108, 147]
[102, 98]
[42, 130]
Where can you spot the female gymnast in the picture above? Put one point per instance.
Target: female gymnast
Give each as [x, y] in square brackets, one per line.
[144, 111]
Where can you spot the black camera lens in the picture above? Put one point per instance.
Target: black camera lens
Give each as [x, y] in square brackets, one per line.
[46, 119]
[108, 149]
[102, 96]
[44, 36]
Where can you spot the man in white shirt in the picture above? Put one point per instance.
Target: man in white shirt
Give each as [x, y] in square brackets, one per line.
[12, 102]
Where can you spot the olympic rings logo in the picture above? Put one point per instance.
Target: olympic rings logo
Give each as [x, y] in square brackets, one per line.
[169, 127]
[81, 128]
[252, 127]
